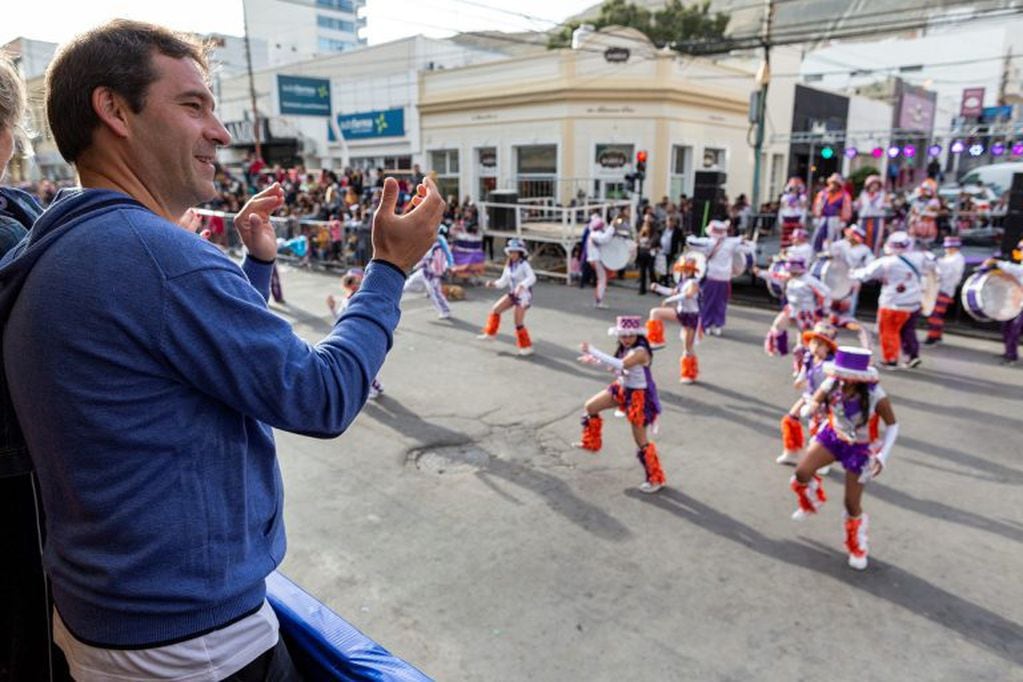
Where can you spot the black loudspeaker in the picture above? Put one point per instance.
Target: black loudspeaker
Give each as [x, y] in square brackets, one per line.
[1016, 194]
[708, 190]
[1013, 232]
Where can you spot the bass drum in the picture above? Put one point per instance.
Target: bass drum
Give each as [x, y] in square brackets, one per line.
[701, 264]
[741, 262]
[930, 285]
[617, 253]
[992, 296]
[775, 287]
[834, 272]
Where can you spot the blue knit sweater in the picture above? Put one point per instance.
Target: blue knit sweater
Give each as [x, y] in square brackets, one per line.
[147, 372]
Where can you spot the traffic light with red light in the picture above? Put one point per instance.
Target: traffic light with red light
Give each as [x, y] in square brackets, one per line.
[641, 164]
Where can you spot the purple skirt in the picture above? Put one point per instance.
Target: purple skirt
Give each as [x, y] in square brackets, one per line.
[714, 295]
[852, 456]
[688, 320]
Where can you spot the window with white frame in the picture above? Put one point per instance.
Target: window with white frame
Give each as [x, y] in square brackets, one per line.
[486, 171]
[536, 170]
[714, 158]
[681, 171]
[444, 162]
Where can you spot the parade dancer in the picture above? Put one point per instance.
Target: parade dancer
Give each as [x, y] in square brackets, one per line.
[518, 276]
[923, 212]
[800, 248]
[792, 210]
[900, 271]
[950, 272]
[806, 298]
[429, 273]
[599, 234]
[686, 311]
[855, 405]
[872, 206]
[350, 283]
[855, 253]
[717, 286]
[633, 393]
[1011, 329]
[819, 347]
[833, 209]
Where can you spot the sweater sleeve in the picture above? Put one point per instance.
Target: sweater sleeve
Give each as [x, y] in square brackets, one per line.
[259, 273]
[219, 337]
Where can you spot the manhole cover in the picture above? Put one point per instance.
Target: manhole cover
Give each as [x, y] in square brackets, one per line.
[453, 459]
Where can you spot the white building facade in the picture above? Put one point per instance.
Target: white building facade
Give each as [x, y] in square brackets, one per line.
[298, 31]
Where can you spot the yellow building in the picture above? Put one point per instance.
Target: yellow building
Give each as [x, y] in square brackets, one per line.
[567, 123]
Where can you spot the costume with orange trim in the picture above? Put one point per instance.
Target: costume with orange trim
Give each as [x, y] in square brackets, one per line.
[923, 212]
[950, 267]
[819, 347]
[792, 210]
[633, 392]
[686, 299]
[900, 271]
[833, 209]
[806, 298]
[855, 403]
[871, 207]
[519, 277]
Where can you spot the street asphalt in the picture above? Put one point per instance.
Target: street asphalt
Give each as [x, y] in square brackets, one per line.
[455, 525]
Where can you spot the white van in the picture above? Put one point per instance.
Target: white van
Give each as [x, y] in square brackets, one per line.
[997, 176]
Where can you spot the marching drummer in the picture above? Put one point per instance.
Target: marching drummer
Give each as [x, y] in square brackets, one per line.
[720, 250]
[519, 277]
[1011, 329]
[833, 209]
[853, 250]
[871, 206]
[950, 272]
[682, 304]
[900, 271]
[599, 235]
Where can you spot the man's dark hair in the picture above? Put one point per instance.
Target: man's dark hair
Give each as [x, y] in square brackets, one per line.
[117, 55]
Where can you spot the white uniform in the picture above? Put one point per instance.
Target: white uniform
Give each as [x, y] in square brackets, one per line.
[597, 239]
[519, 278]
[900, 278]
[950, 272]
[854, 255]
[720, 253]
[803, 251]
[803, 293]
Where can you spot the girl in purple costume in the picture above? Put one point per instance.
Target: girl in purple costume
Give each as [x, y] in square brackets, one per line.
[855, 405]
[818, 347]
[633, 392]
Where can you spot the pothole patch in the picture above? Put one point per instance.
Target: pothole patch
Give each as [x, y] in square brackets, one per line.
[451, 459]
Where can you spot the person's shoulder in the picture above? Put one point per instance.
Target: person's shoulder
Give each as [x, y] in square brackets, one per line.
[174, 250]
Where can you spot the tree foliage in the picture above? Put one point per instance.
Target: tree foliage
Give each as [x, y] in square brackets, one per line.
[680, 27]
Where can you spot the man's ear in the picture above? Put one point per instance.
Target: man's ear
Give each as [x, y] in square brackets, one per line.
[112, 111]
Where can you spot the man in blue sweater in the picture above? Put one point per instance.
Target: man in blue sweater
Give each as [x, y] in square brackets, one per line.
[147, 372]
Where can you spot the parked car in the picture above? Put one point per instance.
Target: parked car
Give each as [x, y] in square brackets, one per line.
[997, 176]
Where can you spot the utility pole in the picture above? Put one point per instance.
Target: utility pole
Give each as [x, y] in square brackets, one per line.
[252, 82]
[763, 79]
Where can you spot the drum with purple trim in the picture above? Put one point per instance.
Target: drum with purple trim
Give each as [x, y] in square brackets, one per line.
[618, 252]
[775, 286]
[741, 262]
[990, 295]
[834, 272]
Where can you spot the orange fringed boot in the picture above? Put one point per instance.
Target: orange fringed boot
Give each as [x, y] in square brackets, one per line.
[690, 369]
[792, 442]
[810, 495]
[647, 456]
[490, 328]
[523, 341]
[591, 439]
[655, 333]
